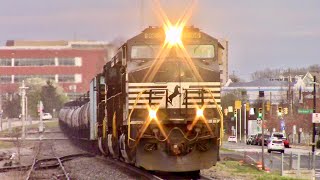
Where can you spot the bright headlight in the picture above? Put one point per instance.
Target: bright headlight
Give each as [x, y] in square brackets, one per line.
[152, 114]
[173, 34]
[199, 112]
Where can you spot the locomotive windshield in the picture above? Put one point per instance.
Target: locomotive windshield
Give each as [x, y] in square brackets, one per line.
[151, 51]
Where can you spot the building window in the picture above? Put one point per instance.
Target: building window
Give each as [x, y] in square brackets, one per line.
[20, 78]
[5, 79]
[67, 62]
[34, 62]
[66, 78]
[5, 62]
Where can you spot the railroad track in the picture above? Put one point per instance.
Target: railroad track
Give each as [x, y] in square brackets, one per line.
[156, 176]
[46, 164]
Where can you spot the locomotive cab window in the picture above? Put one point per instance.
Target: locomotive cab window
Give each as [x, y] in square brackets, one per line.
[200, 51]
[144, 51]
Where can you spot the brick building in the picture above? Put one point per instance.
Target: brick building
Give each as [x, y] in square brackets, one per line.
[70, 64]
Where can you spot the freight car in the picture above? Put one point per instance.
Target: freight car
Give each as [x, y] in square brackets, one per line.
[156, 104]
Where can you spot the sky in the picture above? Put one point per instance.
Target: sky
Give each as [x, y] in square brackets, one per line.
[261, 34]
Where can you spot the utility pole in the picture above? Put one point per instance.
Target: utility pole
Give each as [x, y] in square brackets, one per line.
[314, 111]
[41, 114]
[1, 111]
[236, 125]
[245, 122]
[240, 121]
[261, 96]
[23, 105]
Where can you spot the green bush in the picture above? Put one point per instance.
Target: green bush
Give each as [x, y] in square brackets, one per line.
[318, 144]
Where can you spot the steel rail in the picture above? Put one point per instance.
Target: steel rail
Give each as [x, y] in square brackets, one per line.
[34, 161]
[60, 164]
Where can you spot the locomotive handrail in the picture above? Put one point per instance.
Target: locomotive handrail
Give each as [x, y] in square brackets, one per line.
[114, 96]
[129, 117]
[220, 113]
[176, 128]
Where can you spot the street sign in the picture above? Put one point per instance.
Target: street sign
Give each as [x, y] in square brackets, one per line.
[305, 111]
[282, 125]
[230, 108]
[237, 104]
[251, 112]
[316, 118]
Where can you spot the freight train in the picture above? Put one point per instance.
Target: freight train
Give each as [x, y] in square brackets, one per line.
[156, 103]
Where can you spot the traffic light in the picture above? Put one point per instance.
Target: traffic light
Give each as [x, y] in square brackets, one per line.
[260, 113]
[235, 113]
[279, 111]
[285, 110]
[261, 93]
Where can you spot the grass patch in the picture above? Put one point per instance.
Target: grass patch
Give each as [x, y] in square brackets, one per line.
[18, 129]
[238, 169]
[51, 124]
[226, 150]
[6, 144]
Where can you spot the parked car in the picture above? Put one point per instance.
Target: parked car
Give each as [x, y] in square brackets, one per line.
[46, 116]
[276, 145]
[249, 139]
[282, 137]
[265, 139]
[232, 139]
[255, 139]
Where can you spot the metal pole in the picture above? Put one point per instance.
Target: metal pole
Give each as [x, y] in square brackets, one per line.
[240, 121]
[23, 105]
[245, 122]
[270, 114]
[236, 126]
[41, 114]
[262, 139]
[1, 111]
[281, 164]
[314, 111]
[298, 165]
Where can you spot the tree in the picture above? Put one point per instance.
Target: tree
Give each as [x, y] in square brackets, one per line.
[235, 78]
[51, 97]
[12, 106]
[34, 94]
[48, 92]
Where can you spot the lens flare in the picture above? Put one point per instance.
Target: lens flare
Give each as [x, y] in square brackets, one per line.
[173, 38]
[199, 112]
[153, 114]
[173, 35]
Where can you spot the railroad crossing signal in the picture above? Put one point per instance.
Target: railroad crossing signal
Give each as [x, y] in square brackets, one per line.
[285, 110]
